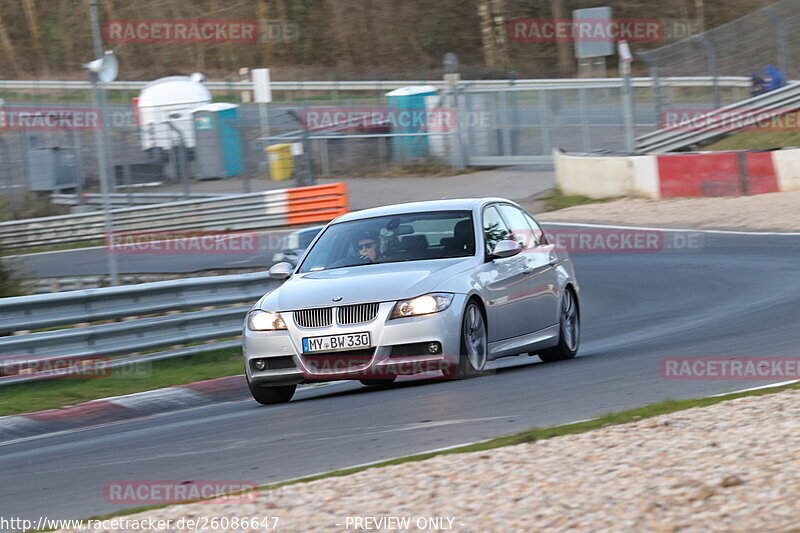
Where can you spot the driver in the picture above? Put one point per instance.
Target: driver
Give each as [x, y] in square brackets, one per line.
[367, 248]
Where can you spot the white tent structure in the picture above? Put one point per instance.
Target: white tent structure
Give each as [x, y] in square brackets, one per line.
[170, 100]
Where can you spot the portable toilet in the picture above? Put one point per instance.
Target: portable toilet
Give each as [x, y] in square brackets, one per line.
[219, 145]
[407, 112]
[171, 99]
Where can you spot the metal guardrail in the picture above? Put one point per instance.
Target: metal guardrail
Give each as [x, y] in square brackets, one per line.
[566, 83]
[76, 283]
[717, 123]
[252, 211]
[26, 313]
[139, 198]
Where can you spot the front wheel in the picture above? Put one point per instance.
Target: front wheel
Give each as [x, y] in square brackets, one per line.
[474, 344]
[270, 395]
[569, 331]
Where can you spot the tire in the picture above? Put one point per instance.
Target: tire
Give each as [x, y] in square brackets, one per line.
[271, 395]
[474, 343]
[569, 331]
[377, 382]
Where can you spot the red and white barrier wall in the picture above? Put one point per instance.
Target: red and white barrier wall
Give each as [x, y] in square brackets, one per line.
[730, 173]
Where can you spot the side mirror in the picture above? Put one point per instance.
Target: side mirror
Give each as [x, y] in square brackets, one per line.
[505, 249]
[281, 271]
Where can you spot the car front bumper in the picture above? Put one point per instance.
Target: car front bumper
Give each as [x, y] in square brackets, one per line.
[443, 327]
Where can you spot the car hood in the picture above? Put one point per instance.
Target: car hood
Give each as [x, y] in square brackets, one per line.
[365, 283]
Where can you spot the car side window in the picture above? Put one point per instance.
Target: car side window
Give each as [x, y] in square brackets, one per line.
[494, 228]
[521, 230]
[538, 232]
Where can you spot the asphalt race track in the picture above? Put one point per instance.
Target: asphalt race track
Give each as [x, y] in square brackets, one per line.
[738, 296]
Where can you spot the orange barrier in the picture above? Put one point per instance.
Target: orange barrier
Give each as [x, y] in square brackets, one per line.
[317, 203]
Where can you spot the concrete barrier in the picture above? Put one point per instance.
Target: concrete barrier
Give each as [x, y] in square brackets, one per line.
[787, 167]
[605, 176]
[724, 173]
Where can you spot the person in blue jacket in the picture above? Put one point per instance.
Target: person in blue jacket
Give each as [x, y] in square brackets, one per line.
[775, 77]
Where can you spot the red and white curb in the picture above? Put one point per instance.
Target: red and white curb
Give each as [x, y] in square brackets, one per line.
[127, 407]
[678, 175]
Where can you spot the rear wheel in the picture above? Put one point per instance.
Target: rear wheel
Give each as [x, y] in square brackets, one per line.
[569, 331]
[474, 345]
[270, 395]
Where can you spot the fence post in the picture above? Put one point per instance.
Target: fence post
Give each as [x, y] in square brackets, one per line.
[504, 133]
[459, 128]
[780, 35]
[180, 160]
[544, 122]
[712, 69]
[12, 205]
[77, 167]
[655, 87]
[627, 106]
[584, 112]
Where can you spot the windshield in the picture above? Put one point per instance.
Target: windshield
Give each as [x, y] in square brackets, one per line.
[409, 237]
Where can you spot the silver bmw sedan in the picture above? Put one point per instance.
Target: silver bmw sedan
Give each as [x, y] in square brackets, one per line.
[433, 288]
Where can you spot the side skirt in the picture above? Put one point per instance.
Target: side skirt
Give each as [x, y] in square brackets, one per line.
[531, 342]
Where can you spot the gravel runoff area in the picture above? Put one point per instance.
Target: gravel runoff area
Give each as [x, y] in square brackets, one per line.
[732, 466]
[764, 212]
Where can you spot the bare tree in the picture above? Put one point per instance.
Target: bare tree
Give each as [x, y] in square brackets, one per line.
[493, 33]
[558, 11]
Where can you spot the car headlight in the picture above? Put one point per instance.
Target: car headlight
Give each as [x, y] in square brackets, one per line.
[422, 305]
[265, 321]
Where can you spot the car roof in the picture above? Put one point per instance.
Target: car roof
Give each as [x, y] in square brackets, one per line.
[449, 204]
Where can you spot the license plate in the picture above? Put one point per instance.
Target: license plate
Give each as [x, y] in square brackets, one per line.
[333, 343]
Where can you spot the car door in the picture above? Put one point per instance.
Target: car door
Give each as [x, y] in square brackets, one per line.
[504, 282]
[541, 298]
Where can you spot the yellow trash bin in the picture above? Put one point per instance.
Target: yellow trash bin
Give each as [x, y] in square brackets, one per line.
[281, 161]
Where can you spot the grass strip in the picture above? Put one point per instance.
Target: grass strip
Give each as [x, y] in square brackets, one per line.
[756, 140]
[558, 200]
[53, 393]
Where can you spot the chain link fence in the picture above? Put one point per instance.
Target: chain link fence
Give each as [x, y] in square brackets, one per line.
[172, 153]
[741, 47]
